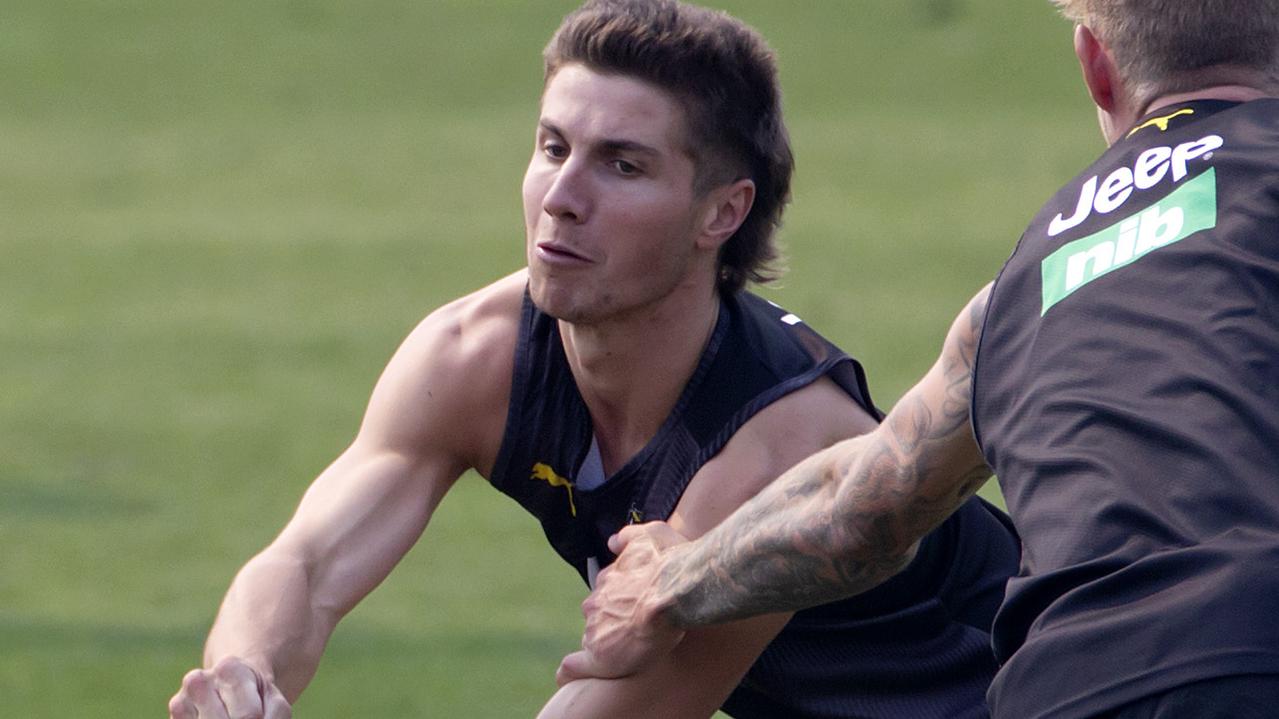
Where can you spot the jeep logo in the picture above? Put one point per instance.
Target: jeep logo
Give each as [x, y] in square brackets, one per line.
[1150, 169]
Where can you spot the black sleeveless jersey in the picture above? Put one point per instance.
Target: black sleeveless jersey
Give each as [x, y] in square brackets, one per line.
[1126, 392]
[918, 646]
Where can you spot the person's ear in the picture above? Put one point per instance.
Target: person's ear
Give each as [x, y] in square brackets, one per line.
[726, 210]
[1099, 69]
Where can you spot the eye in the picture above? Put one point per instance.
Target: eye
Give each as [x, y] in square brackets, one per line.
[554, 150]
[625, 168]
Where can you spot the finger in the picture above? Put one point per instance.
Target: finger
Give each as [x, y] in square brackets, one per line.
[198, 688]
[579, 665]
[276, 706]
[628, 534]
[664, 535]
[240, 688]
[567, 671]
[658, 534]
[634, 534]
[602, 577]
[181, 708]
[588, 604]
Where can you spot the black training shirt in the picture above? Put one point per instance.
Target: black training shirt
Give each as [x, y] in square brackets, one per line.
[1126, 393]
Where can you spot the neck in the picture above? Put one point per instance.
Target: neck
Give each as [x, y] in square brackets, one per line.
[1120, 122]
[631, 369]
[1232, 93]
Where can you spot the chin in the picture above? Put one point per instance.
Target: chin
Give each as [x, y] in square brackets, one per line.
[561, 302]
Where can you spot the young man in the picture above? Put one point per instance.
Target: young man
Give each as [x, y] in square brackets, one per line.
[626, 376]
[1121, 378]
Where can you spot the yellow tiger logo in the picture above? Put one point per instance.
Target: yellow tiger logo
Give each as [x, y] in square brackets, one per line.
[546, 474]
[1161, 122]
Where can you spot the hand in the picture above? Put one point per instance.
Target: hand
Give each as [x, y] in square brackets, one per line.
[230, 690]
[625, 629]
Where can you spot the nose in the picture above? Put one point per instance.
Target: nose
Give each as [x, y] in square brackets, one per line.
[568, 197]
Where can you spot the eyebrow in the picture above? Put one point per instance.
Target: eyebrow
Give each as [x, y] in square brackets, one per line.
[609, 144]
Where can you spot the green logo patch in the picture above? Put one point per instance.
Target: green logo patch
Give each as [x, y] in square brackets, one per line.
[1187, 210]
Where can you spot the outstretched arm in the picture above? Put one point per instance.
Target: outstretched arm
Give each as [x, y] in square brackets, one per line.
[356, 520]
[834, 525]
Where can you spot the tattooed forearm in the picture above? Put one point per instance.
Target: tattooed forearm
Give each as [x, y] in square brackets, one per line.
[847, 518]
[774, 552]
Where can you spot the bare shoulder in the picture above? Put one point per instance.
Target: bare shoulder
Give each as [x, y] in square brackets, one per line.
[967, 326]
[464, 334]
[779, 436]
[951, 375]
[448, 384]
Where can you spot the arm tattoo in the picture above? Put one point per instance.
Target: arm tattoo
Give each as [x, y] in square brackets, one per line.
[847, 518]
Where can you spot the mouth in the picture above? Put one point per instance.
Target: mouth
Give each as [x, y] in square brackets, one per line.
[559, 254]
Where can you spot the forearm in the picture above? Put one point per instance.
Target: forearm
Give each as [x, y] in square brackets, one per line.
[268, 620]
[691, 681]
[835, 525]
[607, 698]
[602, 698]
[803, 541]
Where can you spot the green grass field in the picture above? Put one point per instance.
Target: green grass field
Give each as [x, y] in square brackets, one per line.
[217, 221]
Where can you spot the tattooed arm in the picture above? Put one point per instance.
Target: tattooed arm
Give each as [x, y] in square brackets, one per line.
[836, 524]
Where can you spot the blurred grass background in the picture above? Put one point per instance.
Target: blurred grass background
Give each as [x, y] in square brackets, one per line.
[218, 220]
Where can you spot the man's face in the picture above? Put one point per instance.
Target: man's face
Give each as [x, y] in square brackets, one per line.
[609, 207]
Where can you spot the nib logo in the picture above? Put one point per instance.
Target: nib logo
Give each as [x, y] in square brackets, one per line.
[1191, 208]
[1137, 236]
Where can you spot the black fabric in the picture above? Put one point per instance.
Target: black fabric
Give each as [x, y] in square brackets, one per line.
[752, 359]
[1127, 395]
[1251, 696]
[918, 646]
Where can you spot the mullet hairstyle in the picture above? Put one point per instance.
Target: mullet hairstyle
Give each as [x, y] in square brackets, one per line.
[724, 75]
[1168, 46]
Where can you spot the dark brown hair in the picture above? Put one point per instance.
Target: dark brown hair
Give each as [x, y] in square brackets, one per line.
[724, 75]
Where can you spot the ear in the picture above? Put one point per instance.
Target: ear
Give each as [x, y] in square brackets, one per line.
[1099, 70]
[726, 210]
